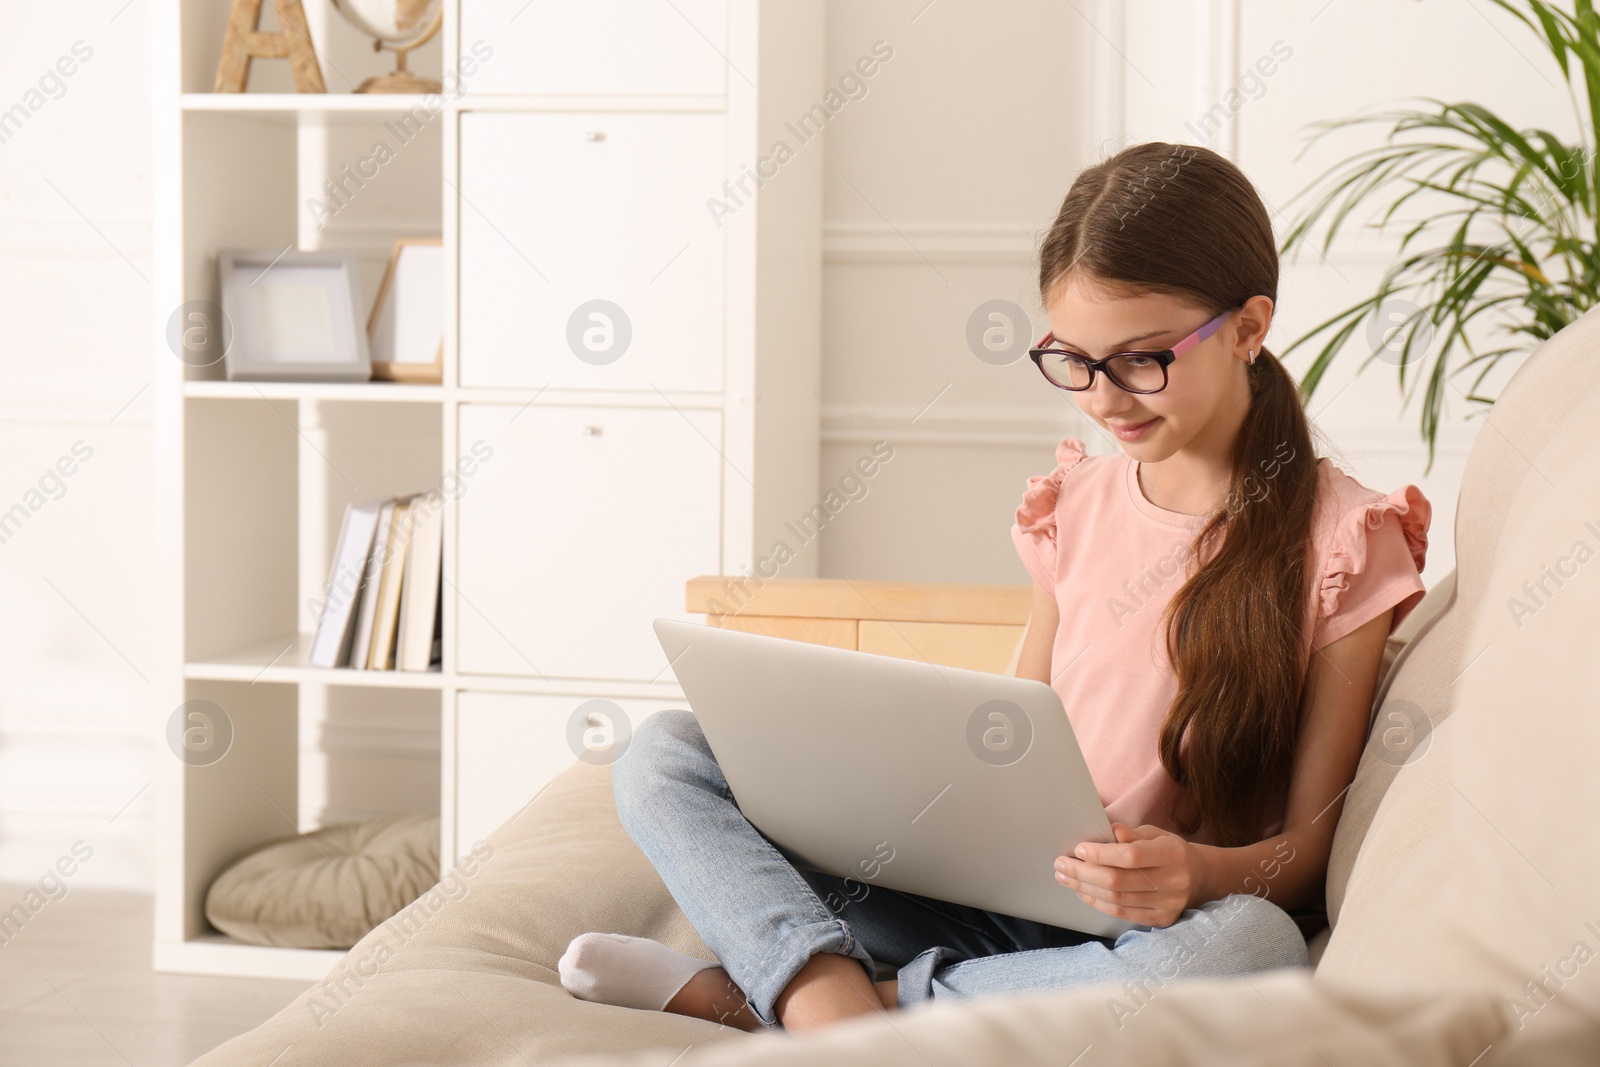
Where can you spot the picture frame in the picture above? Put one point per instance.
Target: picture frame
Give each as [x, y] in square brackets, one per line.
[405, 330]
[293, 316]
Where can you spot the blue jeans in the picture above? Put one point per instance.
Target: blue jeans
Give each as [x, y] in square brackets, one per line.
[764, 918]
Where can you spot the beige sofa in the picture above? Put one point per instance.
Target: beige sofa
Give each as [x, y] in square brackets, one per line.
[1463, 889]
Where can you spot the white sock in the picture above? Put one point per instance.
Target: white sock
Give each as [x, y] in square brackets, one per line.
[634, 972]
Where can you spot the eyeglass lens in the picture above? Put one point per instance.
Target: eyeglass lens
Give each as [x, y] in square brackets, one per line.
[1143, 373]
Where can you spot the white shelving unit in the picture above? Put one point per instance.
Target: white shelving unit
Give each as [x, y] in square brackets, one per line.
[575, 165]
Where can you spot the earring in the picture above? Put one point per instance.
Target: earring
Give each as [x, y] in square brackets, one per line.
[1252, 355]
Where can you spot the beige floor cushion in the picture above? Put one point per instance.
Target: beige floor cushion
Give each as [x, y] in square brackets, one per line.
[327, 888]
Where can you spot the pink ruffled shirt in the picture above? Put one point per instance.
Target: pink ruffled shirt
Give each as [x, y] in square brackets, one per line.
[1113, 559]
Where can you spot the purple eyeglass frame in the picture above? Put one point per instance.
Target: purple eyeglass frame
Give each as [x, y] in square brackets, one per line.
[1164, 357]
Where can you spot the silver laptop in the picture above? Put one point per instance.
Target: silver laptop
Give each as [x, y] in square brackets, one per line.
[949, 783]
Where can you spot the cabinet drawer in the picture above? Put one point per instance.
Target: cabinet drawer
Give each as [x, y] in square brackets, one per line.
[975, 646]
[596, 46]
[583, 526]
[564, 211]
[837, 633]
[508, 745]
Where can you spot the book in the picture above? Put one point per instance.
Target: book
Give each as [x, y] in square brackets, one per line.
[437, 653]
[346, 577]
[381, 656]
[362, 641]
[419, 593]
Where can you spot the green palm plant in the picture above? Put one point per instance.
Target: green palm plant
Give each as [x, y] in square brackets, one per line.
[1536, 196]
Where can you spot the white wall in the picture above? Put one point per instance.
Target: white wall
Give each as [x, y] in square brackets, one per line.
[940, 180]
[74, 299]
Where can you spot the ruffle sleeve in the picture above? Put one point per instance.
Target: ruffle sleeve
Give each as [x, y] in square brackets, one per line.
[1034, 531]
[1374, 564]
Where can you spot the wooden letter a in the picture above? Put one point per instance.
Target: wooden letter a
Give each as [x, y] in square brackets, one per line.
[245, 41]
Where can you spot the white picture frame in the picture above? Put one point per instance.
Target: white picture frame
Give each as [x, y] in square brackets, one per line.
[405, 331]
[293, 316]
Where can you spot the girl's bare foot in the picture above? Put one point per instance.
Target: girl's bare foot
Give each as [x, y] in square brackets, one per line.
[830, 988]
[712, 995]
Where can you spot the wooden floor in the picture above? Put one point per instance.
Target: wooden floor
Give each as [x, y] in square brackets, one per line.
[76, 988]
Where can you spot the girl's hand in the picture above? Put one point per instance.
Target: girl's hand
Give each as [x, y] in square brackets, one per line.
[1147, 875]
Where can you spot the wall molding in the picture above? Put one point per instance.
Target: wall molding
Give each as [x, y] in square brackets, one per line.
[876, 242]
[31, 841]
[1012, 244]
[1401, 440]
[378, 739]
[37, 804]
[1221, 65]
[1107, 94]
[77, 405]
[1043, 428]
[322, 817]
[66, 236]
[112, 726]
[1013, 427]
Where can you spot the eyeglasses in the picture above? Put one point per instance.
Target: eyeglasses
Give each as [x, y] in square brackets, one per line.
[1133, 372]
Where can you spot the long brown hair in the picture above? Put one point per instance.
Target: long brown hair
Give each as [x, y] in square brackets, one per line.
[1183, 220]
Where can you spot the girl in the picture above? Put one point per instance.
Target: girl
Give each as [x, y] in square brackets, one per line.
[1211, 602]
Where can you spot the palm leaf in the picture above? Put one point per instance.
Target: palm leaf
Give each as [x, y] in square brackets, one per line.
[1514, 232]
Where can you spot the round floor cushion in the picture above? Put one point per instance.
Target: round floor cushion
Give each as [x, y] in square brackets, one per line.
[330, 887]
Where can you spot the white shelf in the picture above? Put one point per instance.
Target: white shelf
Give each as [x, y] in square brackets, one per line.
[357, 103]
[399, 392]
[513, 394]
[251, 494]
[390, 392]
[290, 104]
[588, 102]
[285, 659]
[219, 954]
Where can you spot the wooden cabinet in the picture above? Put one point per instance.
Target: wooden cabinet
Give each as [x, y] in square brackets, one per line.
[977, 627]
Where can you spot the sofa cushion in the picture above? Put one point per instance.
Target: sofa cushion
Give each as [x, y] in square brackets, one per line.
[1554, 387]
[1419, 618]
[1476, 867]
[1416, 620]
[1280, 1018]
